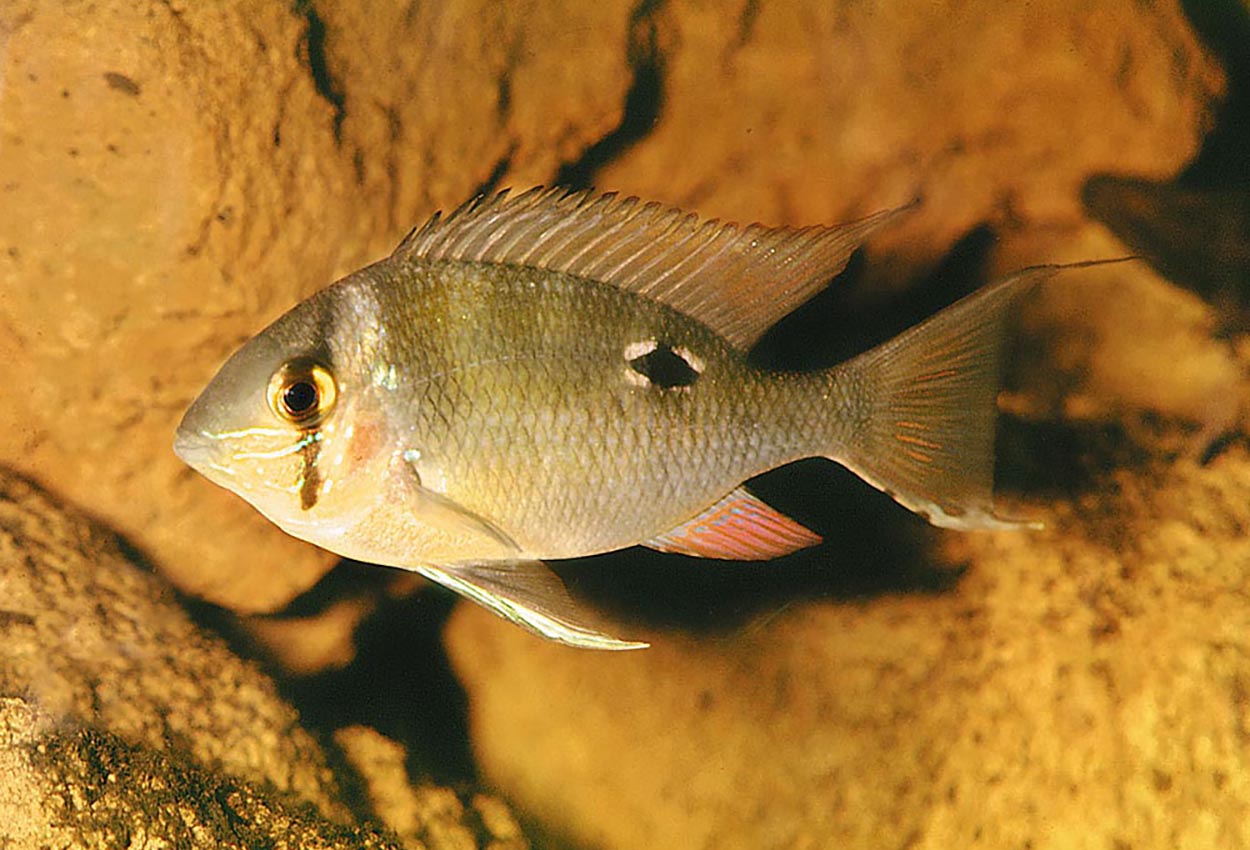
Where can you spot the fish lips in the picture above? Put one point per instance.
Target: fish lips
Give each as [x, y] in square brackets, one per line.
[195, 448]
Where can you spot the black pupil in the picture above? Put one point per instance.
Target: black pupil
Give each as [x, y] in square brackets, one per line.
[299, 397]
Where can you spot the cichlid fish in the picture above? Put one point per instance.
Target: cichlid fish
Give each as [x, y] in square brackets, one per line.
[558, 374]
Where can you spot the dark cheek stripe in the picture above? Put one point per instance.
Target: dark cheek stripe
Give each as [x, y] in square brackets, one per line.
[311, 477]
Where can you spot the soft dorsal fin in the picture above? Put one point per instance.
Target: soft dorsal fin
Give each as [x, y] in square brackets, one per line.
[738, 280]
[740, 528]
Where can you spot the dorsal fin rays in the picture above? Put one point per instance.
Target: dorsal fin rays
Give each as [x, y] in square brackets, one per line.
[738, 280]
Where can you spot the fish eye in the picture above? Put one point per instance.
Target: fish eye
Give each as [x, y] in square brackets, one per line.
[302, 392]
[299, 398]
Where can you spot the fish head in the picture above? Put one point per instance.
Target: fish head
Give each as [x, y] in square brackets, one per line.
[289, 424]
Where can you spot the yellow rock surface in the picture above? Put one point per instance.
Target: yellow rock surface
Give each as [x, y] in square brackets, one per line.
[1082, 687]
[175, 176]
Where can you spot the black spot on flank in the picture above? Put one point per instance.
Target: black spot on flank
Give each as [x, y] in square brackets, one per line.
[664, 367]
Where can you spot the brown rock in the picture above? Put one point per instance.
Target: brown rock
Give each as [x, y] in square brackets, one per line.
[145, 195]
[176, 175]
[90, 789]
[815, 112]
[425, 815]
[92, 639]
[124, 724]
[1082, 686]
[1119, 339]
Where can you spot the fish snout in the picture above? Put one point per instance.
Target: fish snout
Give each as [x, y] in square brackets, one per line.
[195, 448]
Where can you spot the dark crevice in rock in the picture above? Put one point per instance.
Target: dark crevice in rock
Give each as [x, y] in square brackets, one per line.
[1050, 460]
[747, 19]
[1199, 238]
[1194, 229]
[1224, 27]
[491, 183]
[314, 45]
[503, 94]
[400, 682]
[853, 315]
[643, 101]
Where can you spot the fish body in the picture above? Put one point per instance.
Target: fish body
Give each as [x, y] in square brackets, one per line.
[539, 421]
[556, 375]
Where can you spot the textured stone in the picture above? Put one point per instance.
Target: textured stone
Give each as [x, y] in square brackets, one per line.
[814, 112]
[176, 175]
[90, 638]
[1082, 687]
[86, 788]
[425, 815]
[1113, 342]
[146, 192]
[122, 723]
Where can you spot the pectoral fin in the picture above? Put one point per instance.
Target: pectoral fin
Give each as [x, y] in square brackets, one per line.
[457, 521]
[529, 594]
[456, 528]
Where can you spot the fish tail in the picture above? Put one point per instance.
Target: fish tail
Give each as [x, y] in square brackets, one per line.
[923, 408]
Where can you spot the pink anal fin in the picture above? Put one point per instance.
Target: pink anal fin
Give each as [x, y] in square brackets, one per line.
[739, 528]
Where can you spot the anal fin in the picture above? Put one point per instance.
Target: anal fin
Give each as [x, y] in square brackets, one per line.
[739, 528]
[529, 594]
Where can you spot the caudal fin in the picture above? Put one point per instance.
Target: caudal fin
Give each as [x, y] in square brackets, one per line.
[924, 406]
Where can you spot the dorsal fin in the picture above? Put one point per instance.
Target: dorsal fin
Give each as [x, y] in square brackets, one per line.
[737, 280]
[740, 528]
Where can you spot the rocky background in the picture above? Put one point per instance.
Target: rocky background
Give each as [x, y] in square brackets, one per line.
[175, 175]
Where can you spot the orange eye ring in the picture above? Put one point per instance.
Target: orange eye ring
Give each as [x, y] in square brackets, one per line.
[302, 392]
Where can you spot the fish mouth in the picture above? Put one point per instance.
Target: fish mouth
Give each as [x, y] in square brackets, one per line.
[196, 449]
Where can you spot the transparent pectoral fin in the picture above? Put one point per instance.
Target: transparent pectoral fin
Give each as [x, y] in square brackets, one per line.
[457, 521]
[457, 528]
[529, 594]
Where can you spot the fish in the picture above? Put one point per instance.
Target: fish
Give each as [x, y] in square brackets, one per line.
[557, 374]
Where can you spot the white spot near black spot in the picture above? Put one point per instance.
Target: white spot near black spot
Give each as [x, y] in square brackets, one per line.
[662, 365]
[637, 349]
